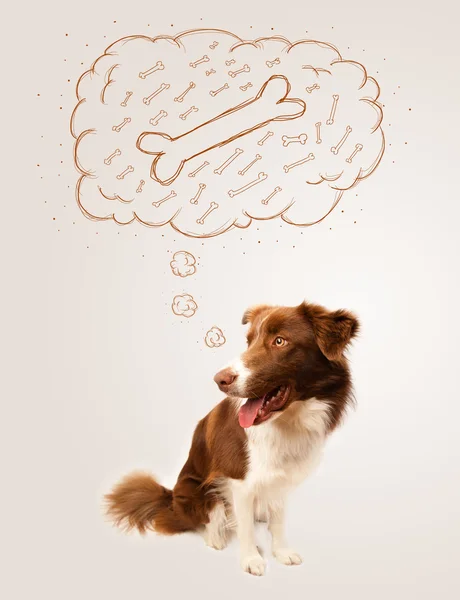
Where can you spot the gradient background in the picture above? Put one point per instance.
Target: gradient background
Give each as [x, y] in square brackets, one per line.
[99, 377]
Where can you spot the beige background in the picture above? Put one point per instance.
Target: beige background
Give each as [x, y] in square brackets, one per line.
[100, 377]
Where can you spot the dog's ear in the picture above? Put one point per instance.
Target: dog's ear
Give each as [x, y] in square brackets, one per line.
[333, 330]
[252, 313]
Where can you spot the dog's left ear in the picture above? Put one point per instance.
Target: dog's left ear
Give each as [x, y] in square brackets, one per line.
[333, 330]
[251, 313]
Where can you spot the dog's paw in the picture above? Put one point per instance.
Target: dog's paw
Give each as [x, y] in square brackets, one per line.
[255, 564]
[215, 540]
[287, 556]
[216, 544]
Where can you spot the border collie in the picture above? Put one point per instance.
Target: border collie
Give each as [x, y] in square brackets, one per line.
[285, 394]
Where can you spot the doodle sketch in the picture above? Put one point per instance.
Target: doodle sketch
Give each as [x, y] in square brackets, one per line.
[183, 264]
[183, 305]
[207, 132]
[214, 338]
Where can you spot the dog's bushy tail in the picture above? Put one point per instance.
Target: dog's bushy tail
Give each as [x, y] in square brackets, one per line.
[139, 502]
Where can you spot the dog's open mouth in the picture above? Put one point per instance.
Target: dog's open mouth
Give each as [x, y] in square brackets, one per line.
[258, 410]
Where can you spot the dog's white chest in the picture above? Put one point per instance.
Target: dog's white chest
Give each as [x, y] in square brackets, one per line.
[283, 452]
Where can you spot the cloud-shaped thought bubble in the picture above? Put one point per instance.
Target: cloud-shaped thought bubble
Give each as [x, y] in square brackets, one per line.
[183, 264]
[214, 338]
[183, 305]
[206, 131]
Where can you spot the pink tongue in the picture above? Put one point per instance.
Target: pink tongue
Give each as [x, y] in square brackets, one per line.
[248, 412]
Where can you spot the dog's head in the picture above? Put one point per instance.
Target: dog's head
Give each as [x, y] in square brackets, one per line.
[293, 354]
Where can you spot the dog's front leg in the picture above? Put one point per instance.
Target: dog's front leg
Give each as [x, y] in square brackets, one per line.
[243, 507]
[280, 548]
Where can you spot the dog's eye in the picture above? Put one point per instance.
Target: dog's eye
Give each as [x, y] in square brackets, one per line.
[279, 341]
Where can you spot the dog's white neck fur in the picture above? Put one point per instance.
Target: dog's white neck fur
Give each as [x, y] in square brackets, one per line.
[285, 449]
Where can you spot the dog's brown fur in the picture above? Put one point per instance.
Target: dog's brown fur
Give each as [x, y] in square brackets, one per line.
[313, 364]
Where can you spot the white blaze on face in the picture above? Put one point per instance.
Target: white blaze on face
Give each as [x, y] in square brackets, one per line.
[242, 375]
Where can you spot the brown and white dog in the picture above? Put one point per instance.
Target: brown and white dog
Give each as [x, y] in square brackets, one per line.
[285, 394]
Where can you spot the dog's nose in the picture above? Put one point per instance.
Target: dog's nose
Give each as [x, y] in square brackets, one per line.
[225, 378]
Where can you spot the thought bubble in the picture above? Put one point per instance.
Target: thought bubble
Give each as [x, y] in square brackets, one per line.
[214, 338]
[183, 264]
[207, 132]
[183, 305]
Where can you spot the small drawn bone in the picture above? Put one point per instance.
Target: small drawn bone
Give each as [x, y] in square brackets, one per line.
[158, 66]
[155, 120]
[108, 160]
[287, 168]
[210, 72]
[230, 62]
[118, 128]
[244, 69]
[357, 149]
[196, 197]
[184, 115]
[180, 98]
[197, 170]
[172, 194]
[140, 186]
[247, 167]
[245, 87]
[229, 160]
[214, 45]
[335, 149]
[129, 169]
[212, 207]
[318, 132]
[330, 121]
[302, 139]
[315, 86]
[265, 138]
[148, 99]
[271, 63]
[261, 177]
[125, 101]
[215, 92]
[203, 59]
[268, 198]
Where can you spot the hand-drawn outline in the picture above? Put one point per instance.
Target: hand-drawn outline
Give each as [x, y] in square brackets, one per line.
[214, 338]
[183, 305]
[139, 74]
[183, 264]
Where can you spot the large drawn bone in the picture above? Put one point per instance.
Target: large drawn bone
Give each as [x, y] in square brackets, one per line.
[171, 154]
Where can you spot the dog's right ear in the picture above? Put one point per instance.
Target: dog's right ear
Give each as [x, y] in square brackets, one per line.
[252, 313]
